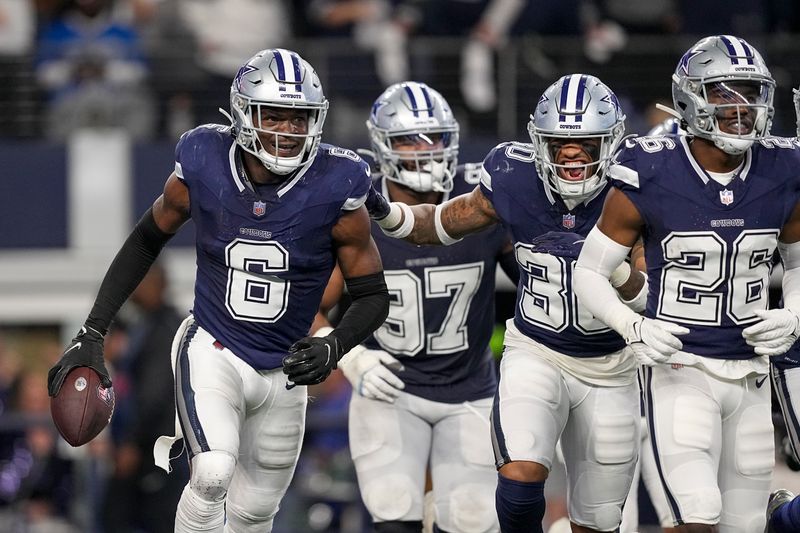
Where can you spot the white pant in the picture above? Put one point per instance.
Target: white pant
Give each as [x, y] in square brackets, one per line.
[225, 405]
[787, 390]
[713, 443]
[538, 402]
[393, 444]
[647, 471]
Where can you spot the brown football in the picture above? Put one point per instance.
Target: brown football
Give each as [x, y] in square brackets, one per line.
[83, 407]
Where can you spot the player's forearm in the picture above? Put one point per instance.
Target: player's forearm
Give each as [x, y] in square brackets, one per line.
[599, 258]
[415, 224]
[424, 231]
[790, 284]
[368, 311]
[130, 265]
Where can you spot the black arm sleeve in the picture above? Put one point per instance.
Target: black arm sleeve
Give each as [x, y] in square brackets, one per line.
[126, 271]
[368, 311]
[508, 262]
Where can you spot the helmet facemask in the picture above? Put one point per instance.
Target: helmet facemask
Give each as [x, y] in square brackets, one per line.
[593, 171]
[732, 113]
[414, 137]
[422, 161]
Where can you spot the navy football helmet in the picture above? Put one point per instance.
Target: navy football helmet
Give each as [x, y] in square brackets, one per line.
[277, 78]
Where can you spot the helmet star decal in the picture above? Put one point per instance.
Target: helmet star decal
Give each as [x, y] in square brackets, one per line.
[243, 71]
[684, 64]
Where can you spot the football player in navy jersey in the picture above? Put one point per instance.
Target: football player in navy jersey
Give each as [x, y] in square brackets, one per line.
[563, 373]
[423, 383]
[783, 510]
[274, 210]
[712, 207]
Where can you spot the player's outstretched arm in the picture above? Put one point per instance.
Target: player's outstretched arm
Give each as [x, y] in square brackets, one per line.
[778, 329]
[368, 371]
[606, 247]
[312, 359]
[131, 263]
[445, 223]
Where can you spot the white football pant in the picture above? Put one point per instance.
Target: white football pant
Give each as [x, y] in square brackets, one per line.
[392, 445]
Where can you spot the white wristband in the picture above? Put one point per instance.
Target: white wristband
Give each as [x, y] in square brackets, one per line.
[444, 238]
[348, 358]
[393, 218]
[408, 222]
[323, 331]
[620, 275]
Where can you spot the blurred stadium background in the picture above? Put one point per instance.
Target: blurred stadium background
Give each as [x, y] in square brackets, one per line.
[93, 95]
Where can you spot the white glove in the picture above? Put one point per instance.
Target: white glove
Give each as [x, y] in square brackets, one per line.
[775, 333]
[369, 374]
[654, 341]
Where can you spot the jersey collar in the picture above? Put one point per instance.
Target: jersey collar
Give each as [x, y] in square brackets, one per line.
[701, 172]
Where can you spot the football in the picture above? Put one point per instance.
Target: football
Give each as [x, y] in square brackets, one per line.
[83, 407]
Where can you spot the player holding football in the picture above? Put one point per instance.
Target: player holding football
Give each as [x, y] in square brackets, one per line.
[423, 383]
[712, 207]
[274, 210]
[563, 373]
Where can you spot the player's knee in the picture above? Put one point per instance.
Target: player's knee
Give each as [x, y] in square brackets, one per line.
[616, 439]
[243, 521]
[471, 510]
[706, 506]
[391, 497]
[607, 517]
[525, 471]
[212, 472]
[394, 526]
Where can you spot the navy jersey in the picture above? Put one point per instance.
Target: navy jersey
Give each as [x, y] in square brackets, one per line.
[709, 246]
[441, 315]
[547, 310]
[263, 257]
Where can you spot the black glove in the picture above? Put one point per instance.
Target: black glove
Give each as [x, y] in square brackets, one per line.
[312, 359]
[86, 349]
[376, 204]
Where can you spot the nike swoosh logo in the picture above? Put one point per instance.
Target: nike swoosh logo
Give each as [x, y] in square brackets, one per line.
[76, 345]
[760, 382]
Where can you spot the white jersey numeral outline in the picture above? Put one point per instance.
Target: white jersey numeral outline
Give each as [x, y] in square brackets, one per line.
[698, 266]
[547, 300]
[254, 292]
[404, 330]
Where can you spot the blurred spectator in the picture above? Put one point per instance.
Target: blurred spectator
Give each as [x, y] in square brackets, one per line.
[93, 72]
[17, 24]
[374, 25]
[36, 484]
[227, 32]
[145, 392]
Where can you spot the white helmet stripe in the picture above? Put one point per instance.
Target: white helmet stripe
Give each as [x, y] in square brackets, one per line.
[419, 99]
[288, 67]
[738, 50]
[571, 104]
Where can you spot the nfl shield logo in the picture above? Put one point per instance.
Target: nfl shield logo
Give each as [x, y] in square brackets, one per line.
[568, 221]
[259, 208]
[726, 197]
